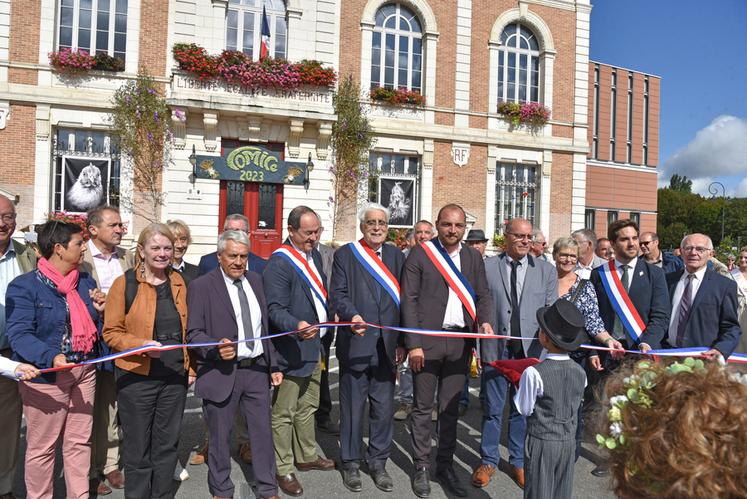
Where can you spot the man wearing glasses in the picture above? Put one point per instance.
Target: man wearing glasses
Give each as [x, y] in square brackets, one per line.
[587, 258]
[15, 259]
[520, 284]
[539, 246]
[438, 299]
[651, 252]
[234, 221]
[704, 303]
[105, 260]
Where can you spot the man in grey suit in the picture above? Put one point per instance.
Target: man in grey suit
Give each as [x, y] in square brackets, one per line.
[587, 258]
[429, 302]
[323, 415]
[520, 284]
[228, 304]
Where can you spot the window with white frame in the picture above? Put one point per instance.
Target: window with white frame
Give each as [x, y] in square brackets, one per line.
[394, 183]
[518, 65]
[515, 193]
[397, 49]
[244, 27]
[97, 26]
[86, 165]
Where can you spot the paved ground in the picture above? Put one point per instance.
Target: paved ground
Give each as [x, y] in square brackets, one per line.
[329, 484]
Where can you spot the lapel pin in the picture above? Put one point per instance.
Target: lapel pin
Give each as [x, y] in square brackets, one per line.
[640, 273]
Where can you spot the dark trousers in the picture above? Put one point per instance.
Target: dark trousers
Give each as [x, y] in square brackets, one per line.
[324, 412]
[150, 410]
[375, 384]
[446, 365]
[251, 395]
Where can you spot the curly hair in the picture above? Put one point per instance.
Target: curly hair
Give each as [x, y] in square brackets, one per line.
[691, 442]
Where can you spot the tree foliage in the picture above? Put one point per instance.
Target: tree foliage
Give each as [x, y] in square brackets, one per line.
[680, 183]
[140, 119]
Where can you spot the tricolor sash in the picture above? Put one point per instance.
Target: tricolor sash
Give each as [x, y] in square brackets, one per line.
[302, 267]
[376, 268]
[620, 301]
[453, 277]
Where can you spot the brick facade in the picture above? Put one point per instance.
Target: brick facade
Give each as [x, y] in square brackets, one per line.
[24, 41]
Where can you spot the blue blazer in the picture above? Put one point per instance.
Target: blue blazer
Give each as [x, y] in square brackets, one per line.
[649, 295]
[211, 317]
[355, 292]
[670, 263]
[36, 316]
[289, 301]
[713, 321]
[210, 261]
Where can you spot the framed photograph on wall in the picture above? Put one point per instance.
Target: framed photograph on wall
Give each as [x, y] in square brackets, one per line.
[85, 183]
[398, 194]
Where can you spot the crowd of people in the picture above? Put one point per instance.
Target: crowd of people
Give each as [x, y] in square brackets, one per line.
[69, 301]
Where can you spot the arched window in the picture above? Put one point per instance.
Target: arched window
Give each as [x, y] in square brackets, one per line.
[397, 49]
[244, 27]
[518, 65]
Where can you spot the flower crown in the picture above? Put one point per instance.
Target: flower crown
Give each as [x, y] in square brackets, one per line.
[638, 388]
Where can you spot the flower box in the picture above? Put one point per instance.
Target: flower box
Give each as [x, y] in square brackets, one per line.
[397, 97]
[239, 69]
[81, 61]
[533, 115]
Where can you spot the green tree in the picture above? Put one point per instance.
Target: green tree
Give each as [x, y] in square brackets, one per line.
[680, 183]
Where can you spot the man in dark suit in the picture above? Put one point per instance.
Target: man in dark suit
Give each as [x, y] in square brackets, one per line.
[368, 356]
[704, 303]
[428, 302]
[519, 285]
[646, 286]
[235, 221]
[228, 304]
[323, 415]
[296, 299]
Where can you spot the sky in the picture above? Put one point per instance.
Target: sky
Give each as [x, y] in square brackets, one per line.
[699, 49]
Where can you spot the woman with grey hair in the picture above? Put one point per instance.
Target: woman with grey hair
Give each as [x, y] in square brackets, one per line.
[182, 240]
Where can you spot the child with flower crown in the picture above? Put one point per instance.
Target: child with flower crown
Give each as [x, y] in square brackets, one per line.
[676, 430]
[550, 394]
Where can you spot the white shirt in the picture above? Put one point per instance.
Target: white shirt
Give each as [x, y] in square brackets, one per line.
[8, 368]
[321, 311]
[631, 270]
[108, 268]
[9, 270]
[454, 315]
[521, 274]
[694, 286]
[531, 386]
[243, 350]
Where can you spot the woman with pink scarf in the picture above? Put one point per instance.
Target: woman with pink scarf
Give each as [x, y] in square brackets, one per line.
[53, 321]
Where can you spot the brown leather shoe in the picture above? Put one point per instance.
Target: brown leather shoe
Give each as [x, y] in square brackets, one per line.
[200, 456]
[321, 464]
[482, 475]
[289, 484]
[245, 452]
[98, 487]
[517, 475]
[116, 479]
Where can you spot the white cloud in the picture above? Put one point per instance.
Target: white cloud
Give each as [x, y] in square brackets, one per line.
[720, 149]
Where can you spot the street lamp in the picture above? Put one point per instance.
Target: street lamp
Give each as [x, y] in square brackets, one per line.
[713, 191]
[193, 162]
[306, 174]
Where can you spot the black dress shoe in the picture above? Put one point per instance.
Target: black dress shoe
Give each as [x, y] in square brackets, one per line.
[449, 480]
[382, 480]
[601, 470]
[329, 427]
[351, 479]
[421, 483]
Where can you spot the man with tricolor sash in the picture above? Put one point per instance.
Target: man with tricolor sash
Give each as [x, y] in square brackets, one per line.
[365, 288]
[294, 284]
[443, 289]
[632, 294]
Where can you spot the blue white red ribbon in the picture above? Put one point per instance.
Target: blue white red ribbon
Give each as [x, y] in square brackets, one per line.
[453, 277]
[302, 267]
[621, 303]
[376, 268]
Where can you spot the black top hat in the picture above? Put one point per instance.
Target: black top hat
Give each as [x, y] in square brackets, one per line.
[563, 324]
[477, 236]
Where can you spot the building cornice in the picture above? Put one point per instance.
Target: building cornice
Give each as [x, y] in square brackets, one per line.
[620, 166]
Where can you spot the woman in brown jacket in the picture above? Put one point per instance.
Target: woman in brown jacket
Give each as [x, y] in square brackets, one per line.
[148, 306]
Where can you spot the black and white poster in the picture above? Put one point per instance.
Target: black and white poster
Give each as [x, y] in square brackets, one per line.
[85, 183]
[399, 196]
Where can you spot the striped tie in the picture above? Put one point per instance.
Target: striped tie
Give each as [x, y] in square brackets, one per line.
[683, 314]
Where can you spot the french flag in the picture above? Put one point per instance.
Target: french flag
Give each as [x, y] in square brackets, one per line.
[264, 50]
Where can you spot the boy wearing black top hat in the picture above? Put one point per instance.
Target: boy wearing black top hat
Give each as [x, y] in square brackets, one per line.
[549, 395]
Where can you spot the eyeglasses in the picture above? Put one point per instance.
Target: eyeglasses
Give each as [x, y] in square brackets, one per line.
[695, 249]
[566, 256]
[376, 223]
[523, 237]
[645, 243]
[8, 218]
